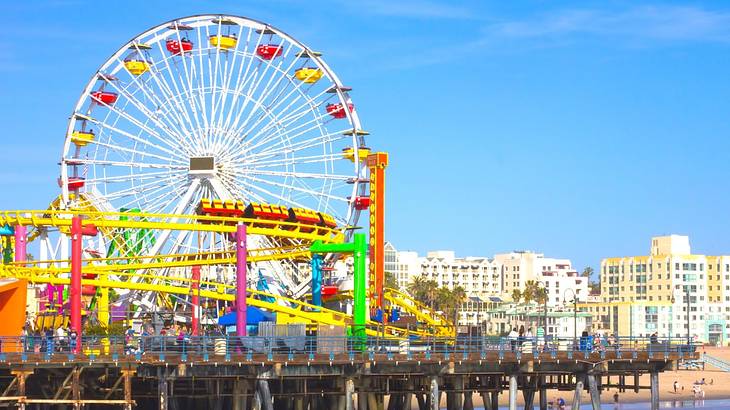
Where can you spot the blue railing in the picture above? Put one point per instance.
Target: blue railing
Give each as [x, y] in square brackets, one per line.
[216, 347]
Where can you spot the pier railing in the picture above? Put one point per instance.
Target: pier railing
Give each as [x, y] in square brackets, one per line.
[156, 348]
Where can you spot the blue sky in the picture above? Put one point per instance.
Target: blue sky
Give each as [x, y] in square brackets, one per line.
[578, 129]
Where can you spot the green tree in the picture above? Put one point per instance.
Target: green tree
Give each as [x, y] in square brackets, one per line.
[587, 272]
[516, 295]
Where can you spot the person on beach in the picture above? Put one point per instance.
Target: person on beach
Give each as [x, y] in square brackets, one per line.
[561, 403]
[615, 398]
[675, 384]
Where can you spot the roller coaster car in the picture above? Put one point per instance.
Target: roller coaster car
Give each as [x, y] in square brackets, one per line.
[270, 212]
[304, 217]
[218, 207]
[328, 220]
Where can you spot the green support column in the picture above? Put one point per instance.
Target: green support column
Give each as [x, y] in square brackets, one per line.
[360, 284]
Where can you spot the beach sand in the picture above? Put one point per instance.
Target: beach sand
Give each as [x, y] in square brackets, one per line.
[719, 389]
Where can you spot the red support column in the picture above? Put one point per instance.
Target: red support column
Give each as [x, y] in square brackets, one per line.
[241, 279]
[75, 290]
[194, 287]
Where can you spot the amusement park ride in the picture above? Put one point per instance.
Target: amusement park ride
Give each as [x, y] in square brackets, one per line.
[211, 158]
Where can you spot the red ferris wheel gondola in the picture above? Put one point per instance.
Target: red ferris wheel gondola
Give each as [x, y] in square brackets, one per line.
[176, 47]
[269, 51]
[104, 97]
[336, 110]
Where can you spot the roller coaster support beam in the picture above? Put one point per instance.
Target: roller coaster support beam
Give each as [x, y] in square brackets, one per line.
[317, 280]
[358, 249]
[78, 230]
[195, 298]
[241, 279]
[21, 237]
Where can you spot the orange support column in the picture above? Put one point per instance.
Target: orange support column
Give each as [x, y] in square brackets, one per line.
[377, 163]
[12, 310]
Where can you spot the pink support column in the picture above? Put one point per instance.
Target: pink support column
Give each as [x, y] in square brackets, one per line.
[194, 286]
[75, 289]
[241, 279]
[20, 243]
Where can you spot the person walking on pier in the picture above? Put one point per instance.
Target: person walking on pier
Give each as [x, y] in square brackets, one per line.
[513, 338]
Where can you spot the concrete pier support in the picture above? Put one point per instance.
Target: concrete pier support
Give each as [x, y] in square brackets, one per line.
[512, 392]
[578, 390]
[595, 394]
[162, 392]
[238, 399]
[264, 395]
[543, 392]
[349, 394]
[654, 390]
[434, 396]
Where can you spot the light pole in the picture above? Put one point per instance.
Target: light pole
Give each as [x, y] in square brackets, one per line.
[575, 312]
[686, 295]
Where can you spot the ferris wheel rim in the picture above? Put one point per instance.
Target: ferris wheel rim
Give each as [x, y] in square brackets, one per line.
[352, 117]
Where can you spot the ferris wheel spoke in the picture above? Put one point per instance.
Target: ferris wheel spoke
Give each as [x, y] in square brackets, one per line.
[293, 161]
[138, 188]
[298, 175]
[132, 137]
[272, 135]
[317, 195]
[199, 71]
[269, 88]
[292, 116]
[150, 116]
[268, 67]
[230, 184]
[170, 129]
[154, 203]
[121, 178]
[191, 94]
[277, 149]
[242, 77]
[131, 164]
[133, 151]
[177, 95]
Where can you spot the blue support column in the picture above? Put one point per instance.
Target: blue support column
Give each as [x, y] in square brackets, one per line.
[317, 280]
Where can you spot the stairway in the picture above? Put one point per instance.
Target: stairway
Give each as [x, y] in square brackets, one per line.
[714, 361]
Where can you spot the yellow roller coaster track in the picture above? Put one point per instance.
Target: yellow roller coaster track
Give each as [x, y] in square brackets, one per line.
[195, 223]
[288, 310]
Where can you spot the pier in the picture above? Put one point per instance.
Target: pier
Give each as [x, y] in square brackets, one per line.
[326, 373]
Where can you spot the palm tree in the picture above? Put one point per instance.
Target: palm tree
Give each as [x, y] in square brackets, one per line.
[516, 295]
[587, 272]
[458, 297]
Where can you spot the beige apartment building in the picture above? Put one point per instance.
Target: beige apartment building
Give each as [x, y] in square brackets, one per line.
[641, 295]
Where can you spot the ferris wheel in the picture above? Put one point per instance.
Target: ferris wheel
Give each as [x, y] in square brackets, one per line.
[214, 106]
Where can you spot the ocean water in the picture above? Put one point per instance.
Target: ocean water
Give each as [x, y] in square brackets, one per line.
[675, 404]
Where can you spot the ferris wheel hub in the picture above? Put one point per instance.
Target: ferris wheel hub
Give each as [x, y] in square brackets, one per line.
[202, 166]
